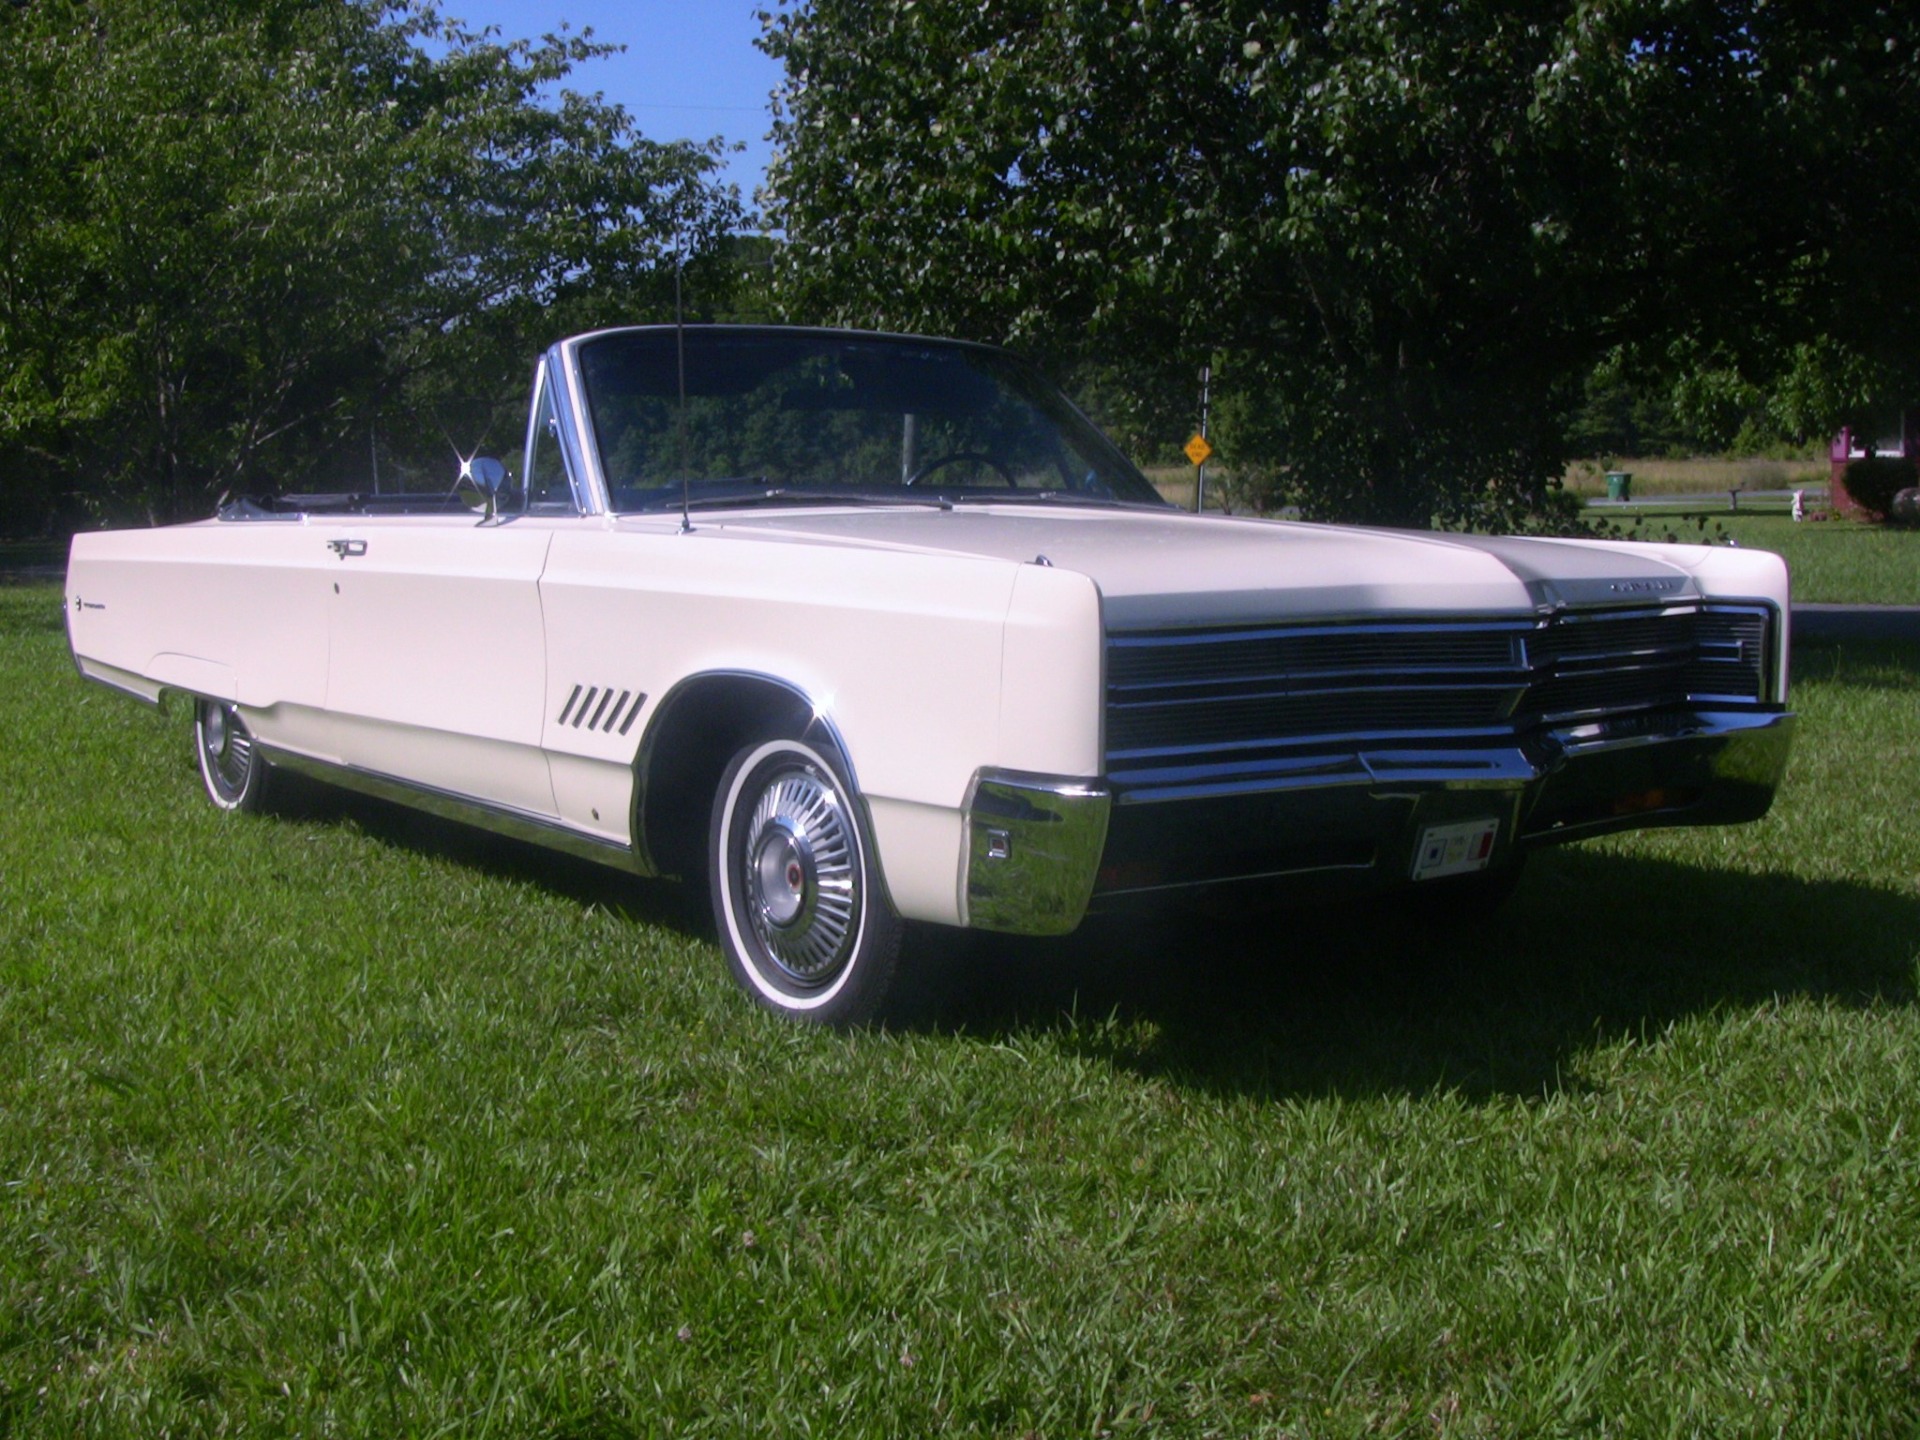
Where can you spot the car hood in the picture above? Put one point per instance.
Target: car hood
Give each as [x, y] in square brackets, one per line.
[1170, 568]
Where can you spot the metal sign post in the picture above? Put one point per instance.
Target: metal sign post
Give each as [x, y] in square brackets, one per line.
[1197, 447]
[1199, 450]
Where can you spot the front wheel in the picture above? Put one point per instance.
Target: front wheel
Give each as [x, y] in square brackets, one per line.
[230, 765]
[804, 922]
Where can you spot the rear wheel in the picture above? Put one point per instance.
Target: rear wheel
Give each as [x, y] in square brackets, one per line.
[804, 922]
[230, 764]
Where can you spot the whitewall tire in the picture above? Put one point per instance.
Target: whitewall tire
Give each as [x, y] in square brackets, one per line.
[802, 916]
[230, 763]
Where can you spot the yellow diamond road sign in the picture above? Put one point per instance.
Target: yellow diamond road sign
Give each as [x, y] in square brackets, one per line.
[1198, 450]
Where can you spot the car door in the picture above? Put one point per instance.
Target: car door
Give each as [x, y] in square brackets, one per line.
[436, 663]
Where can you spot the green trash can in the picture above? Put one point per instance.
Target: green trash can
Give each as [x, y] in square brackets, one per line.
[1619, 484]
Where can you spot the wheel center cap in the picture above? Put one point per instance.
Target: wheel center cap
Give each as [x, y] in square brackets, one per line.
[782, 876]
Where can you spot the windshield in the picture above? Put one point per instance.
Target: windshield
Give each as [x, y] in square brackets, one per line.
[784, 414]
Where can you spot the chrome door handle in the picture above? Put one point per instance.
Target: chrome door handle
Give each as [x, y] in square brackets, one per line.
[344, 548]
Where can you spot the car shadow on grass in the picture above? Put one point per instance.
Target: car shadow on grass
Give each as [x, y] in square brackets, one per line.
[605, 887]
[1363, 1000]
[1355, 999]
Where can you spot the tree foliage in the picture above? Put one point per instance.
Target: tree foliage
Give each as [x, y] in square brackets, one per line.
[242, 242]
[1403, 230]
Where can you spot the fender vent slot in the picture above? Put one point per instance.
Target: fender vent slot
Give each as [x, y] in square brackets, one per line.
[593, 707]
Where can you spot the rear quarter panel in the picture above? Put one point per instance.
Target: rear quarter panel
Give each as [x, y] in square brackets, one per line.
[237, 612]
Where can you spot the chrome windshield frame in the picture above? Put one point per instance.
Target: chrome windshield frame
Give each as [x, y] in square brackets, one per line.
[578, 445]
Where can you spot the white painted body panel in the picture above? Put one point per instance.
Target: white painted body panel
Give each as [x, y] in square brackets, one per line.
[935, 642]
[437, 655]
[900, 652]
[196, 608]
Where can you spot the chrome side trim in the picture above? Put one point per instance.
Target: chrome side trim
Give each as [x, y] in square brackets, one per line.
[156, 699]
[1033, 847]
[123, 690]
[500, 819]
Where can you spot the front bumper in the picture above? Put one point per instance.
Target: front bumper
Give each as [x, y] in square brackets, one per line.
[1043, 851]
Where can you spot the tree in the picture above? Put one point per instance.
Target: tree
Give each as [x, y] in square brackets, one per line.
[1403, 230]
[239, 240]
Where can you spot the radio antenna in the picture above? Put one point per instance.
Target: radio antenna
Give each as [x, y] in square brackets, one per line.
[680, 358]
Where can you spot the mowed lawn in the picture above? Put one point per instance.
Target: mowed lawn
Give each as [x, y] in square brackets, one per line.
[345, 1122]
[1839, 561]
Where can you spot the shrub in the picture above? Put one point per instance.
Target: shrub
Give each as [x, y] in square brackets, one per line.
[1874, 481]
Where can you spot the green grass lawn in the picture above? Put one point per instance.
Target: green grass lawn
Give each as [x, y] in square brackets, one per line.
[1840, 560]
[342, 1121]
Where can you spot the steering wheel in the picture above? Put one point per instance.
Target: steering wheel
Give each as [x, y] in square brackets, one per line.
[958, 457]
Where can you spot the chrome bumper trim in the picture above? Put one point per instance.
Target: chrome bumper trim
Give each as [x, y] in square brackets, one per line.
[1500, 766]
[1363, 811]
[1033, 847]
[1723, 768]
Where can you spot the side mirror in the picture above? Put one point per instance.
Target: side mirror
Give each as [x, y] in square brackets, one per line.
[487, 472]
[478, 486]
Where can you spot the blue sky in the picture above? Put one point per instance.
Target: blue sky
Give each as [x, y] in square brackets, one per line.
[690, 69]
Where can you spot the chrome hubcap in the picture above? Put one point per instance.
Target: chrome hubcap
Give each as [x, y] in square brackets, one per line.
[229, 749]
[802, 890]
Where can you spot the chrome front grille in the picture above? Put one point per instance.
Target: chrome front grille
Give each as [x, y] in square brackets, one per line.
[1594, 665]
[1187, 696]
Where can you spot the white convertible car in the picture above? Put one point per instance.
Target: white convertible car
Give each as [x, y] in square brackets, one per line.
[857, 629]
